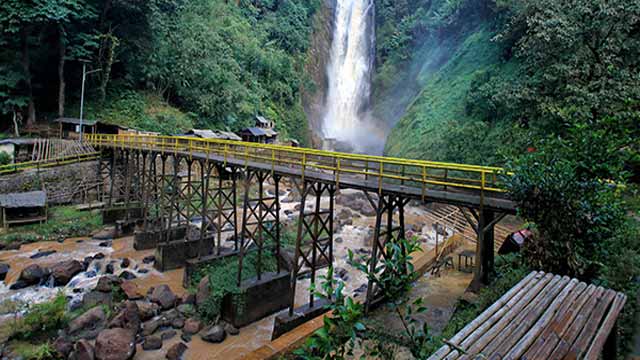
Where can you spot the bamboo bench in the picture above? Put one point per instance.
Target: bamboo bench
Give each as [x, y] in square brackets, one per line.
[544, 316]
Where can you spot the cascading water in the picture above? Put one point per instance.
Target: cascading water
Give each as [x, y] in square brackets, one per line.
[349, 78]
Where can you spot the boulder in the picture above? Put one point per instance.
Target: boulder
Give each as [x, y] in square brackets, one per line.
[203, 291]
[107, 283]
[168, 335]
[214, 334]
[63, 346]
[176, 351]
[4, 270]
[192, 326]
[231, 330]
[94, 298]
[147, 310]
[149, 259]
[125, 263]
[42, 253]
[89, 324]
[149, 327]
[107, 233]
[153, 342]
[127, 318]
[33, 274]
[163, 296]
[83, 350]
[63, 272]
[127, 275]
[19, 284]
[115, 344]
[130, 290]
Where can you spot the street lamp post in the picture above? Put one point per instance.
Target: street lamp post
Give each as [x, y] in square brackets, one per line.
[84, 78]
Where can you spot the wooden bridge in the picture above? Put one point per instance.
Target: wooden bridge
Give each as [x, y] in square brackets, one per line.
[174, 180]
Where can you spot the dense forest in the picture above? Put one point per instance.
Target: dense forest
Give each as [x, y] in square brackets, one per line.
[162, 65]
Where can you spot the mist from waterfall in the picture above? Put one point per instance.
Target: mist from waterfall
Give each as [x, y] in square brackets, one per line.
[346, 119]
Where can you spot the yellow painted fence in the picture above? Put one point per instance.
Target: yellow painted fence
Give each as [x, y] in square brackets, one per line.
[377, 171]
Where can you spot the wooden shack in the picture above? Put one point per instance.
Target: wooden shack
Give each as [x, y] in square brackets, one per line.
[23, 208]
[69, 128]
[253, 134]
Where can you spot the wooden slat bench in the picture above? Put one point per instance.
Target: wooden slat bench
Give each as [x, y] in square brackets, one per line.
[544, 316]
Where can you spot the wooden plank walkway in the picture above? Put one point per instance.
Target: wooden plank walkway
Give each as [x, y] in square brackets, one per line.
[544, 316]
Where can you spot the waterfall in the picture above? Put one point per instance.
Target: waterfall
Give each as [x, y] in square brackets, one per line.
[349, 78]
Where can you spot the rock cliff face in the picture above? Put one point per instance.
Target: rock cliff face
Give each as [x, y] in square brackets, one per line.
[314, 95]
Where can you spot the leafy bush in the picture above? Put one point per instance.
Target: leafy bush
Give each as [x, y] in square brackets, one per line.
[223, 277]
[44, 351]
[5, 158]
[42, 319]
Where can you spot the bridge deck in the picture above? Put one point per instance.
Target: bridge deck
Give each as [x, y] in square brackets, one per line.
[460, 185]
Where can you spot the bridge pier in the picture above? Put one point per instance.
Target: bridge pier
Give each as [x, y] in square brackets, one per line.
[385, 232]
[483, 223]
[260, 220]
[314, 239]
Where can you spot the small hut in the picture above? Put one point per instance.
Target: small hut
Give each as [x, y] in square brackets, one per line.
[228, 135]
[202, 134]
[23, 208]
[69, 128]
[253, 134]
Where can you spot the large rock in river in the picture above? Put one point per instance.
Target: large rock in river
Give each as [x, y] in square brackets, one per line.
[214, 334]
[115, 344]
[64, 271]
[89, 324]
[163, 296]
[33, 274]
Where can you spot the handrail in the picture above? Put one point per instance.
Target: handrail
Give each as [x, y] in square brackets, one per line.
[383, 170]
[64, 160]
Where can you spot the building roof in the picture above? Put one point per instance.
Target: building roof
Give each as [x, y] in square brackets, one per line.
[262, 120]
[228, 135]
[18, 141]
[203, 133]
[23, 200]
[255, 131]
[75, 121]
[270, 132]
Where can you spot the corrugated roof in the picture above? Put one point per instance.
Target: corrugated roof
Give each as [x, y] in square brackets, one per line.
[75, 121]
[262, 120]
[22, 200]
[270, 132]
[203, 133]
[255, 131]
[227, 135]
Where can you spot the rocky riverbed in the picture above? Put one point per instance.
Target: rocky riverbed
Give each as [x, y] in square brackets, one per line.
[150, 315]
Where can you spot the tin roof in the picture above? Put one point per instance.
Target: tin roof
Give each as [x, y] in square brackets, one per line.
[23, 200]
[75, 121]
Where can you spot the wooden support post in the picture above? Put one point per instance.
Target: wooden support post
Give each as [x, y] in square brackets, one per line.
[609, 351]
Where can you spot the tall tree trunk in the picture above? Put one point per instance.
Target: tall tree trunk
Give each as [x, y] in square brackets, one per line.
[61, 61]
[110, 44]
[26, 66]
[15, 124]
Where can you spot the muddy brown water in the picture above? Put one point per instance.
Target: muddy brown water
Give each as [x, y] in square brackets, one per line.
[440, 293]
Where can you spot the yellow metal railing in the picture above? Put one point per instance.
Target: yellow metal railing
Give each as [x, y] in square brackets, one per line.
[64, 160]
[378, 170]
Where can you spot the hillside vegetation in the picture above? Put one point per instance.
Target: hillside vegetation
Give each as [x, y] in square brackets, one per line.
[219, 62]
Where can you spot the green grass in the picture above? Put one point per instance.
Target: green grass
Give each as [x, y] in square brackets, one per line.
[42, 320]
[63, 222]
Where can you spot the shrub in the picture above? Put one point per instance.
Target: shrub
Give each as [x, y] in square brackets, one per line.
[5, 158]
[42, 319]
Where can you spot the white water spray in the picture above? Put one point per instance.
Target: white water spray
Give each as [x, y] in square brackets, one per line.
[349, 77]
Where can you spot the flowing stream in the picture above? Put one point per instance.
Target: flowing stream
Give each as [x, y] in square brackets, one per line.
[349, 71]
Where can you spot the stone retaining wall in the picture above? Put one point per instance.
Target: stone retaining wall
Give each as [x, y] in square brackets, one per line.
[73, 183]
